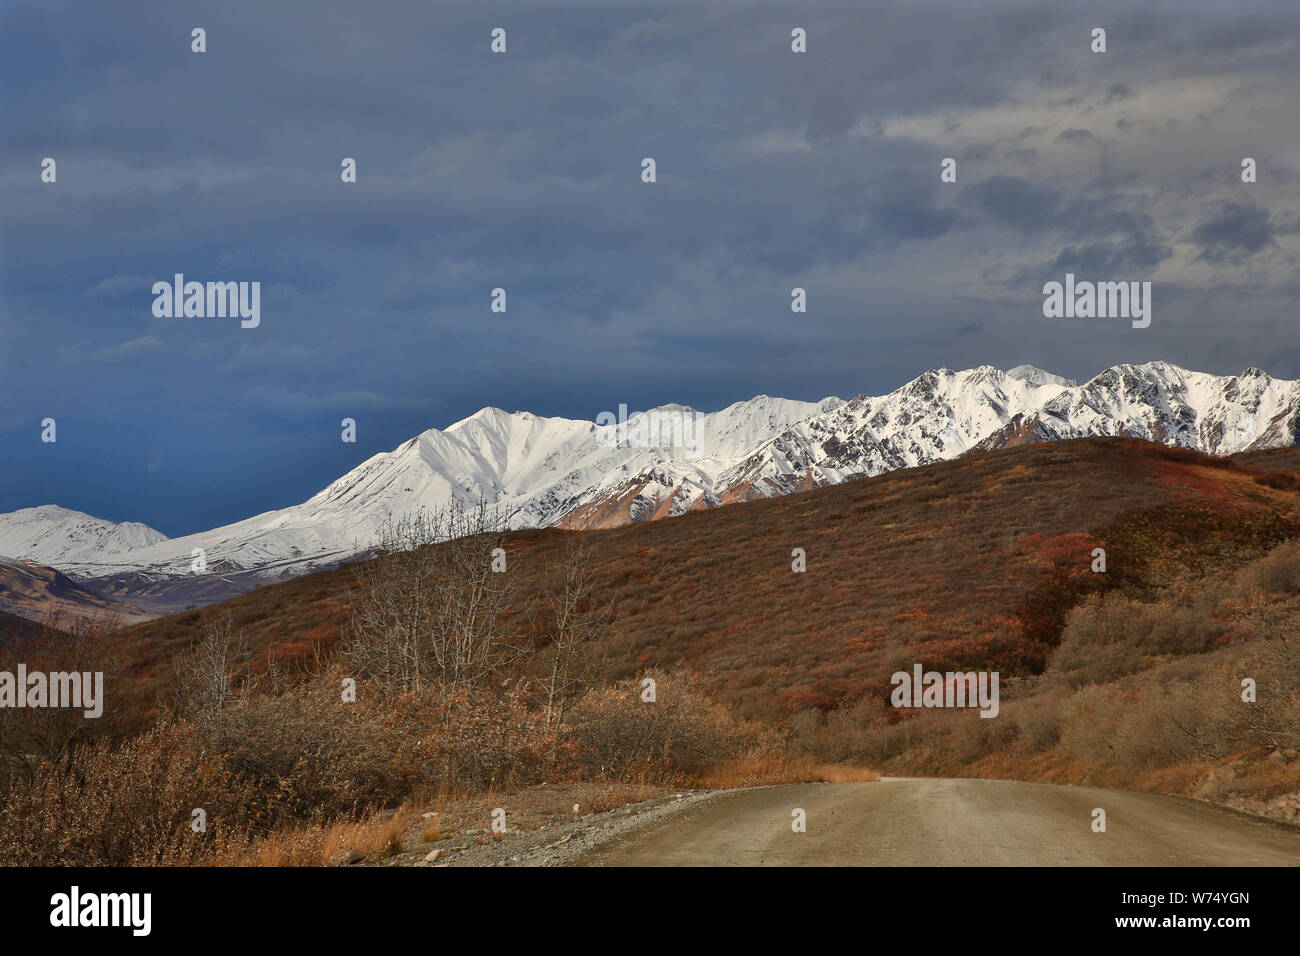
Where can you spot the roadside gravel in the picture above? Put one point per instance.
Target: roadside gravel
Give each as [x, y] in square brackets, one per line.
[556, 843]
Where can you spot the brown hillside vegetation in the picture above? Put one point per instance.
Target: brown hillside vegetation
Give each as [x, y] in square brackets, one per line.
[972, 563]
[1274, 459]
[36, 592]
[1140, 694]
[471, 682]
[17, 629]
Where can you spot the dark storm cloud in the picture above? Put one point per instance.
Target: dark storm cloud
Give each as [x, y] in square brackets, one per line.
[522, 171]
[1077, 135]
[1016, 202]
[1117, 93]
[1237, 231]
[1136, 255]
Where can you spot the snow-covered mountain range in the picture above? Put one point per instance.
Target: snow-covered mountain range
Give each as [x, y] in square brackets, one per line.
[577, 474]
[55, 536]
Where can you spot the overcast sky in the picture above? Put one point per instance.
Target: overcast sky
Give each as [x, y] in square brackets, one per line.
[523, 171]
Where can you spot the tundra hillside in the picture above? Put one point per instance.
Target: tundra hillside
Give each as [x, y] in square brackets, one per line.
[474, 681]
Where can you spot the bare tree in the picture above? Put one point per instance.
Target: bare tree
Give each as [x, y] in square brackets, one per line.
[431, 608]
[394, 605]
[577, 623]
[213, 673]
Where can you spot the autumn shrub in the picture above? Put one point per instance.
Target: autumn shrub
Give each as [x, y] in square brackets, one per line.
[493, 741]
[970, 737]
[277, 775]
[1038, 722]
[864, 731]
[1162, 725]
[1278, 571]
[1097, 645]
[305, 756]
[681, 732]
[1109, 636]
[120, 805]
[1181, 630]
[1170, 715]
[307, 752]
[1272, 721]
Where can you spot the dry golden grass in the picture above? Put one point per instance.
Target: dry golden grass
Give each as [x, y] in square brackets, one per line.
[777, 769]
[377, 837]
[297, 847]
[842, 773]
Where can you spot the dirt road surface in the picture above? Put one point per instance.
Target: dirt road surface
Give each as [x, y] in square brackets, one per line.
[933, 822]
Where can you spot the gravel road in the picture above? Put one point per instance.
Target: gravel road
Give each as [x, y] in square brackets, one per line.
[934, 822]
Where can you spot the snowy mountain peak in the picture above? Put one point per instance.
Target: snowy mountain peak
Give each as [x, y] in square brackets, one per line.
[52, 536]
[1033, 375]
[488, 415]
[541, 471]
